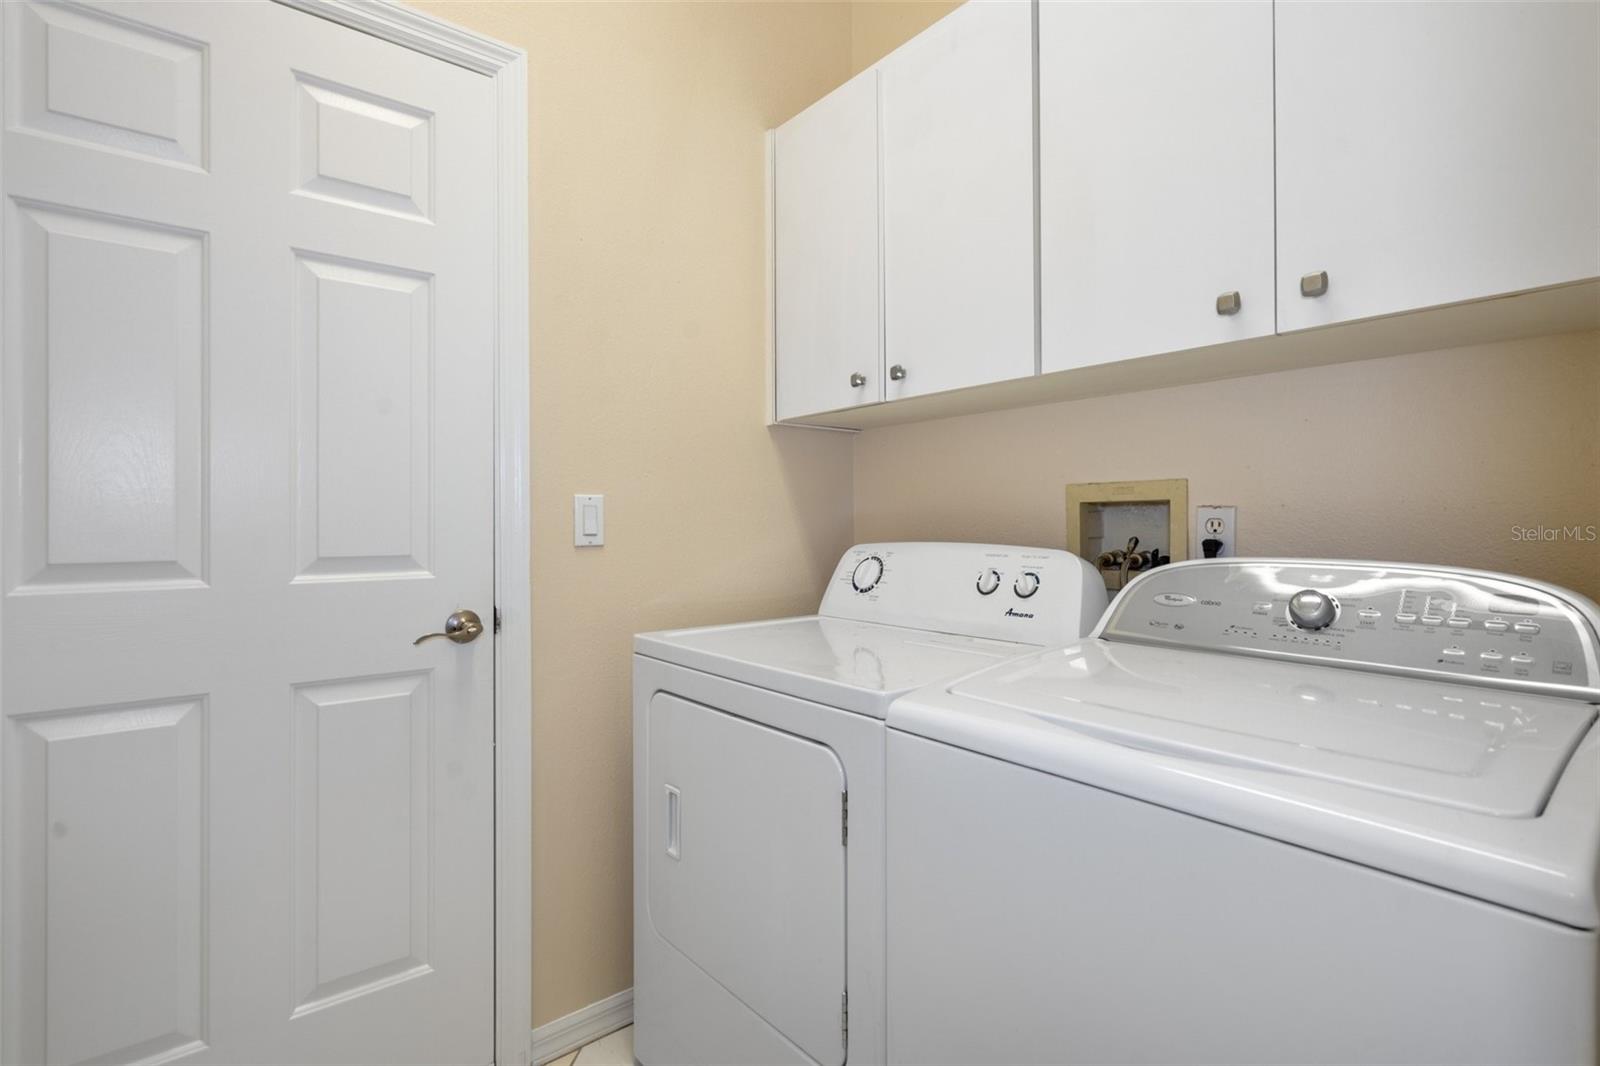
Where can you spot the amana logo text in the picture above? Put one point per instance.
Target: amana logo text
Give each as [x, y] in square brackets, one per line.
[1017, 614]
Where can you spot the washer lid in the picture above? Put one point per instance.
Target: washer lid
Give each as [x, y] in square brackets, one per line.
[857, 666]
[1478, 790]
[1483, 750]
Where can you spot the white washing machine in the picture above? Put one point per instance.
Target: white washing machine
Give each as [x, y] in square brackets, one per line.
[758, 793]
[1272, 811]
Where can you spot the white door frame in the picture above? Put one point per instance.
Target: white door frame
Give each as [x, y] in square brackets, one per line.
[513, 816]
[513, 688]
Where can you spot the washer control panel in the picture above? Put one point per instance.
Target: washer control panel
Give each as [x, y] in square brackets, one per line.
[1426, 621]
[1031, 595]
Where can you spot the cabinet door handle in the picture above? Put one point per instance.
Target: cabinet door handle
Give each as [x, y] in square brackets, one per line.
[857, 380]
[1228, 303]
[897, 373]
[1314, 284]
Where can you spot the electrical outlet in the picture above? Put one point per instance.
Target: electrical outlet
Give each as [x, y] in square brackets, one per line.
[1215, 523]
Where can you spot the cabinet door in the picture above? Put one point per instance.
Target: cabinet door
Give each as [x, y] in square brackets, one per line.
[958, 201]
[829, 352]
[1155, 177]
[1430, 153]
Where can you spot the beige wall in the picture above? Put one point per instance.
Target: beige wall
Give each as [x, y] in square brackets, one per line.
[1430, 457]
[879, 27]
[647, 160]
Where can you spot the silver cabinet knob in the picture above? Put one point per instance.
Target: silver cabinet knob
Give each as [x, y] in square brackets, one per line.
[897, 373]
[1228, 303]
[857, 380]
[1314, 284]
[462, 627]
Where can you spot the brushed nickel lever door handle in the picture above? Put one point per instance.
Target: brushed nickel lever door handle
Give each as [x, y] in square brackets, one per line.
[462, 627]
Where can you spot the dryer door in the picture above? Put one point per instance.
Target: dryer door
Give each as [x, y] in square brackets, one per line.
[746, 864]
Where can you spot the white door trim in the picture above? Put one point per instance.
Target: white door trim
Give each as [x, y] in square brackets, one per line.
[513, 762]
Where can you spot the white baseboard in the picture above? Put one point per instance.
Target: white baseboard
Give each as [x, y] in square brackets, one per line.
[583, 1026]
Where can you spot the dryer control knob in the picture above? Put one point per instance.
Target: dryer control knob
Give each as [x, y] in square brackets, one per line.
[1310, 609]
[988, 581]
[1026, 585]
[867, 574]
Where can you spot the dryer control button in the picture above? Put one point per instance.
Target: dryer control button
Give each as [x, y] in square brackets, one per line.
[867, 574]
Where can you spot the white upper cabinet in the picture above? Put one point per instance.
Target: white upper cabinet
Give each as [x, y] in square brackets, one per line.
[958, 196]
[829, 334]
[1430, 153]
[1155, 178]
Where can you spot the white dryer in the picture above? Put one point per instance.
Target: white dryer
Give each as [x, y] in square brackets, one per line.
[758, 793]
[1272, 811]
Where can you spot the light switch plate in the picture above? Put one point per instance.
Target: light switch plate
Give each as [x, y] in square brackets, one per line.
[588, 520]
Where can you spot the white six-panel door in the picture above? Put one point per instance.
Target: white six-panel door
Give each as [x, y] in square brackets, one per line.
[247, 459]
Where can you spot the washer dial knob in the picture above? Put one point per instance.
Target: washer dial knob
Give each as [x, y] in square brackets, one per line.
[1026, 585]
[988, 581]
[1310, 609]
[867, 574]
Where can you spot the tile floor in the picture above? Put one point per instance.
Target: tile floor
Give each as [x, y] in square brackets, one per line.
[613, 1050]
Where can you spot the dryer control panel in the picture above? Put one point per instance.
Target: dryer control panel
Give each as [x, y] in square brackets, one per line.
[1031, 595]
[1484, 628]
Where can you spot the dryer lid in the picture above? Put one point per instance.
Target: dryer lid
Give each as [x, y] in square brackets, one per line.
[857, 666]
[1482, 750]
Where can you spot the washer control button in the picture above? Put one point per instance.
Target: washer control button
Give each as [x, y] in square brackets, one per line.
[988, 581]
[1459, 622]
[1455, 653]
[1497, 625]
[1490, 656]
[1522, 659]
[1432, 620]
[1526, 627]
[1310, 609]
[1370, 614]
[1405, 618]
[1026, 585]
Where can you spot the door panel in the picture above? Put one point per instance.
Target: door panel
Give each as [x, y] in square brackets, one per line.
[365, 362]
[90, 75]
[746, 864]
[363, 763]
[118, 962]
[109, 369]
[958, 219]
[247, 459]
[1418, 174]
[1153, 208]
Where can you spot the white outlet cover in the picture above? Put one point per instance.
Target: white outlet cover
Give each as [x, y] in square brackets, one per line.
[1219, 522]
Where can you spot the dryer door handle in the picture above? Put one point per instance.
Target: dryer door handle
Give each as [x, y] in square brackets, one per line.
[674, 820]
